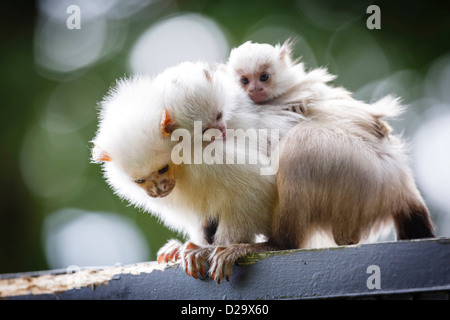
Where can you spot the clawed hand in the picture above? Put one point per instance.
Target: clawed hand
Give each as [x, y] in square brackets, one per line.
[195, 259]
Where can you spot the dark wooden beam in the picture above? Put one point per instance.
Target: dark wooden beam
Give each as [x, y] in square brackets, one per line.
[372, 270]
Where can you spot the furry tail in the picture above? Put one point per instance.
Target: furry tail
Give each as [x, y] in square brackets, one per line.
[387, 107]
[414, 224]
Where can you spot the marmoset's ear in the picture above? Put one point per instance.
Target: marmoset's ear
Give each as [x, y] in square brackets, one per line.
[100, 155]
[286, 49]
[167, 123]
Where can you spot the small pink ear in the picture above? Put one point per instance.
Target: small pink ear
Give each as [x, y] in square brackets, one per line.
[167, 124]
[99, 155]
[283, 53]
[286, 49]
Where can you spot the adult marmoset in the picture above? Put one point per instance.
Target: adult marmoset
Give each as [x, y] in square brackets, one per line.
[212, 204]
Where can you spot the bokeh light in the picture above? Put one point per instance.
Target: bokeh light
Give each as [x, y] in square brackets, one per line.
[71, 106]
[356, 63]
[189, 37]
[76, 237]
[59, 50]
[432, 156]
[53, 164]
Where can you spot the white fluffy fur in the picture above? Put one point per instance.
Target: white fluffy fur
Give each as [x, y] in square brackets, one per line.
[129, 131]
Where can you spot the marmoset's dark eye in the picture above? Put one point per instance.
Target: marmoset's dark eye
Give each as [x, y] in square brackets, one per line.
[139, 181]
[244, 80]
[264, 77]
[163, 170]
[219, 116]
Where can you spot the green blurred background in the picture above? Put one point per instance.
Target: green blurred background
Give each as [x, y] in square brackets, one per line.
[56, 209]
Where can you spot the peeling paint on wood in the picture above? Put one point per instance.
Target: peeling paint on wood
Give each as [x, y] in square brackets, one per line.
[57, 283]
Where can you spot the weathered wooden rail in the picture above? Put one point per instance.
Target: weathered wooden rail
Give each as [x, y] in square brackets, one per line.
[404, 269]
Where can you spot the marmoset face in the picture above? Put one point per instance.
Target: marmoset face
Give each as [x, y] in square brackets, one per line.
[257, 84]
[158, 183]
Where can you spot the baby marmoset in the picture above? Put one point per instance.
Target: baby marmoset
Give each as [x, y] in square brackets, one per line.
[272, 77]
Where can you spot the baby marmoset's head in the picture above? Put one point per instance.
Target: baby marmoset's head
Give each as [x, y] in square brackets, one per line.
[264, 71]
